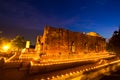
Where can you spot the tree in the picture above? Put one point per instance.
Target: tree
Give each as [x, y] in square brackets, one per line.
[18, 43]
[114, 42]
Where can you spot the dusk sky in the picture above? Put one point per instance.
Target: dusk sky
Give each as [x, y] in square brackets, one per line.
[28, 17]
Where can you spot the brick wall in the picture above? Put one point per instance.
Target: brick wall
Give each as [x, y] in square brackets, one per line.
[58, 41]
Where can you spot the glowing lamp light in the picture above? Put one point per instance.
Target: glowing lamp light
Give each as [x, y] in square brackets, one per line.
[6, 47]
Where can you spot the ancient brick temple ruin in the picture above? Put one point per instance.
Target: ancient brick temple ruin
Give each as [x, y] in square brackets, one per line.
[59, 41]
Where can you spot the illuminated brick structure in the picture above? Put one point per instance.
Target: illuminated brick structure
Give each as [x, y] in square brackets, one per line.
[58, 41]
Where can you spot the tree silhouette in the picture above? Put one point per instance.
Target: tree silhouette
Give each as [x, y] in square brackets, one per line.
[18, 43]
[114, 42]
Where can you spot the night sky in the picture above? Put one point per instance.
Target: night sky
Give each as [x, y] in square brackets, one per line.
[28, 17]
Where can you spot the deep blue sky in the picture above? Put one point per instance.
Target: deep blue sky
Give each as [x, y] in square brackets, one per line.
[28, 17]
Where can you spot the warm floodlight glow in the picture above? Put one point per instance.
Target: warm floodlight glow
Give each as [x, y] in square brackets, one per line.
[23, 50]
[6, 47]
[93, 34]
